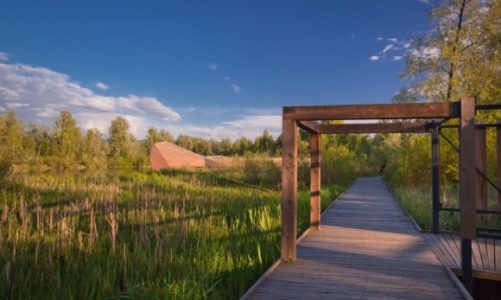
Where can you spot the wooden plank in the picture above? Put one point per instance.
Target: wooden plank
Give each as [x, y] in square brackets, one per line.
[442, 255]
[497, 255]
[492, 254]
[498, 156]
[467, 172]
[485, 253]
[310, 126]
[373, 111]
[467, 187]
[481, 275]
[399, 127]
[435, 180]
[488, 252]
[315, 184]
[451, 248]
[289, 190]
[476, 261]
[481, 164]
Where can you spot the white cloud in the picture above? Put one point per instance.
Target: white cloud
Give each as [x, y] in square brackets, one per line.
[102, 86]
[266, 121]
[4, 56]
[425, 53]
[424, 1]
[15, 105]
[388, 48]
[393, 51]
[39, 94]
[213, 66]
[235, 88]
[250, 126]
[227, 78]
[2, 109]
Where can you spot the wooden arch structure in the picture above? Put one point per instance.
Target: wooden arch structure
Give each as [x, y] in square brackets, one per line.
[425, 118]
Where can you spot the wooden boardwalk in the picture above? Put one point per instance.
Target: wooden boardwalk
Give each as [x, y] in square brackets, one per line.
[366, 249]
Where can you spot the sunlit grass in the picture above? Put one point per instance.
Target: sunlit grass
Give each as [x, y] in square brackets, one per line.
[178, 235]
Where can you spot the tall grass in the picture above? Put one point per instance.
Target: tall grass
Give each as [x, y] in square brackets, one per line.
[418, 202]
[177, 235]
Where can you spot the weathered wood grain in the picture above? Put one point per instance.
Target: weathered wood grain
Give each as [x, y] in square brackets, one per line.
[289, 189]
[315, 201]
[373, 111]
[467, 172]
[398, 127]
[367, 249]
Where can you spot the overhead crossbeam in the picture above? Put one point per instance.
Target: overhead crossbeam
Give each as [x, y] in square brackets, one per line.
[373, 111]
[398, 127]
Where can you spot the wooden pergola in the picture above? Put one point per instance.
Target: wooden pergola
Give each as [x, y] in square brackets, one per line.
[423, 119]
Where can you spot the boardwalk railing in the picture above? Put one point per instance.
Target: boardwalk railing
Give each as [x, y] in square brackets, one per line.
[470, 185]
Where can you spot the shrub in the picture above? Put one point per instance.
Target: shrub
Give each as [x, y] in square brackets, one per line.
[262, 171]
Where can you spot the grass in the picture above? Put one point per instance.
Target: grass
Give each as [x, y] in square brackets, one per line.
[177, 235]
[417, 201]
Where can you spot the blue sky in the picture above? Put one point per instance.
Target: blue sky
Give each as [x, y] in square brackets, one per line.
[204, 68]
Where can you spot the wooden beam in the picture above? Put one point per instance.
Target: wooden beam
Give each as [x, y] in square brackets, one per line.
[289, 189]
[435, 174]
[498, 156]
[310, 126]
[373, 111]
[400, 127]
[467, 187]
[315, 185]
[481, 164]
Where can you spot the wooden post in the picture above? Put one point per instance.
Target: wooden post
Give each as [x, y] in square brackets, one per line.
[289, 189]
[315, 187]
[498, 155]
[435, 161]
[467, 187]
[481, 164]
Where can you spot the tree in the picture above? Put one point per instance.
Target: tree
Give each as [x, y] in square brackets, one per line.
[66, 136]
[242, 146]
[265, 143]
[164, 135]
[11, 135]
[94, 148]
[119, 138]
[460, 55]
[184, 141]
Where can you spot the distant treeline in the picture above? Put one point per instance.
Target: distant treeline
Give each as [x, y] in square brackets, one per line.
[65, 145]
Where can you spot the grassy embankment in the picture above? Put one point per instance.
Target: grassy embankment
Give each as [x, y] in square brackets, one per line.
[138, 235]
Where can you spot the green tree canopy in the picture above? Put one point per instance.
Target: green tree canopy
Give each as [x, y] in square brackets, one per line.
[66, 135]
[119, 138]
